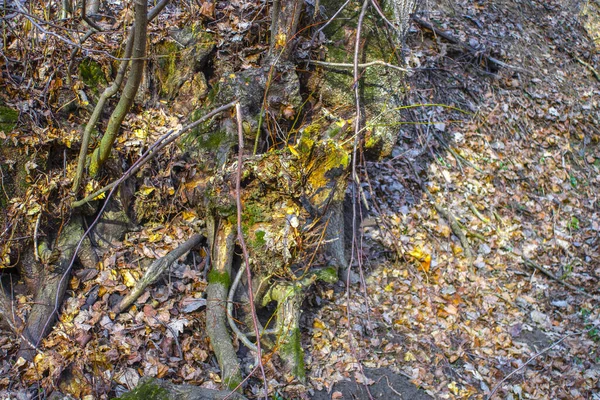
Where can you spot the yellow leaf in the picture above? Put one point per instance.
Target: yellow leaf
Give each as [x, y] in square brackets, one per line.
[417, 253]
[155, 237]
[140, 133]
[189, 216]
[293, 151]
[453, 387]
[409, 356]
[281, 40]
[128, 278]
[146, 190]
[318, 324]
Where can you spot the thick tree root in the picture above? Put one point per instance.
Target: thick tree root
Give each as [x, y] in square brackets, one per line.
[51, 288]
[221, 241]
[159, 389]
[289, 297]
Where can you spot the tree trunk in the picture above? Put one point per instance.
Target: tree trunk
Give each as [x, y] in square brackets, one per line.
[102, 153]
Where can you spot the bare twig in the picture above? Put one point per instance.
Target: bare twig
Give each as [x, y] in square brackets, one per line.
[355, 180]
[534, 265]
[232, 323]
[160, 144]
[534, 357]
[364, 65]
[328, 22]
[238, 201]
[35, 237]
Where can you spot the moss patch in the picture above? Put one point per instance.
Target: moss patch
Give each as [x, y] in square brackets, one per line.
[292, 349]
[8, 119]
[219, 277]
[328, 275]
[91, 74]
[148, 390]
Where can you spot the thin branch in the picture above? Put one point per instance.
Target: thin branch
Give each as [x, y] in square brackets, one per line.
[154, 271]
[550, 275]
[160, 144]
[534, 357]
[355, 181]
[238, 201]
[364, 65]
[86, 18]
[382, 15]
[328, 22]
[232, 323]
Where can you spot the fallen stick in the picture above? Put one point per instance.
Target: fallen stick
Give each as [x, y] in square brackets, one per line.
[154, 271]
[532, 264]
[470, 49]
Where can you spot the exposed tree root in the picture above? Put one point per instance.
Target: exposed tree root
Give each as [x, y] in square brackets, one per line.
[467, 48]
[221, 237]
[51, 287]
[289, 297]
[158, 388]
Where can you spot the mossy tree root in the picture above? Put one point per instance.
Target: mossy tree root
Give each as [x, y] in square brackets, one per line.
[157, 389]
[221, 239]
[52, 285]
[289, 298]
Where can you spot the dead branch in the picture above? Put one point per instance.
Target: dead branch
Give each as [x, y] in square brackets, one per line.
[534, 265]
[467, 48]
[363, 65]
[153, 272]
[240, 234]
[489, 397]
[588, 66]
[156, 147]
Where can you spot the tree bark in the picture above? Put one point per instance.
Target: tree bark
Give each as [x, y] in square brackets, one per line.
[102, 153]
[221, 241]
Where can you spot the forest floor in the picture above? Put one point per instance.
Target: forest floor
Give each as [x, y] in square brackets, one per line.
[521, 176]
[506, 158]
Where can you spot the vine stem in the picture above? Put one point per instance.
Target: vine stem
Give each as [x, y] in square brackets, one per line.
[238, 201]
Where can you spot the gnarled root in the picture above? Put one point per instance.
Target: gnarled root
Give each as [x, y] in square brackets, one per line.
[51, 287]
[289, 297]
[221, 241]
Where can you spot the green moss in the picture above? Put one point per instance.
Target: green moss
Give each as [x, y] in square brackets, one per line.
[91, 74]
[260, 238]
[148, 390]
[233, 382]
[328, 275]
[8, 119]
[167, 69]
[219, 277]
[291, 349]
[253, 213]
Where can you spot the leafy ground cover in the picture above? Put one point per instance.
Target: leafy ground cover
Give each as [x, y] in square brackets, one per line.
[479, 260]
